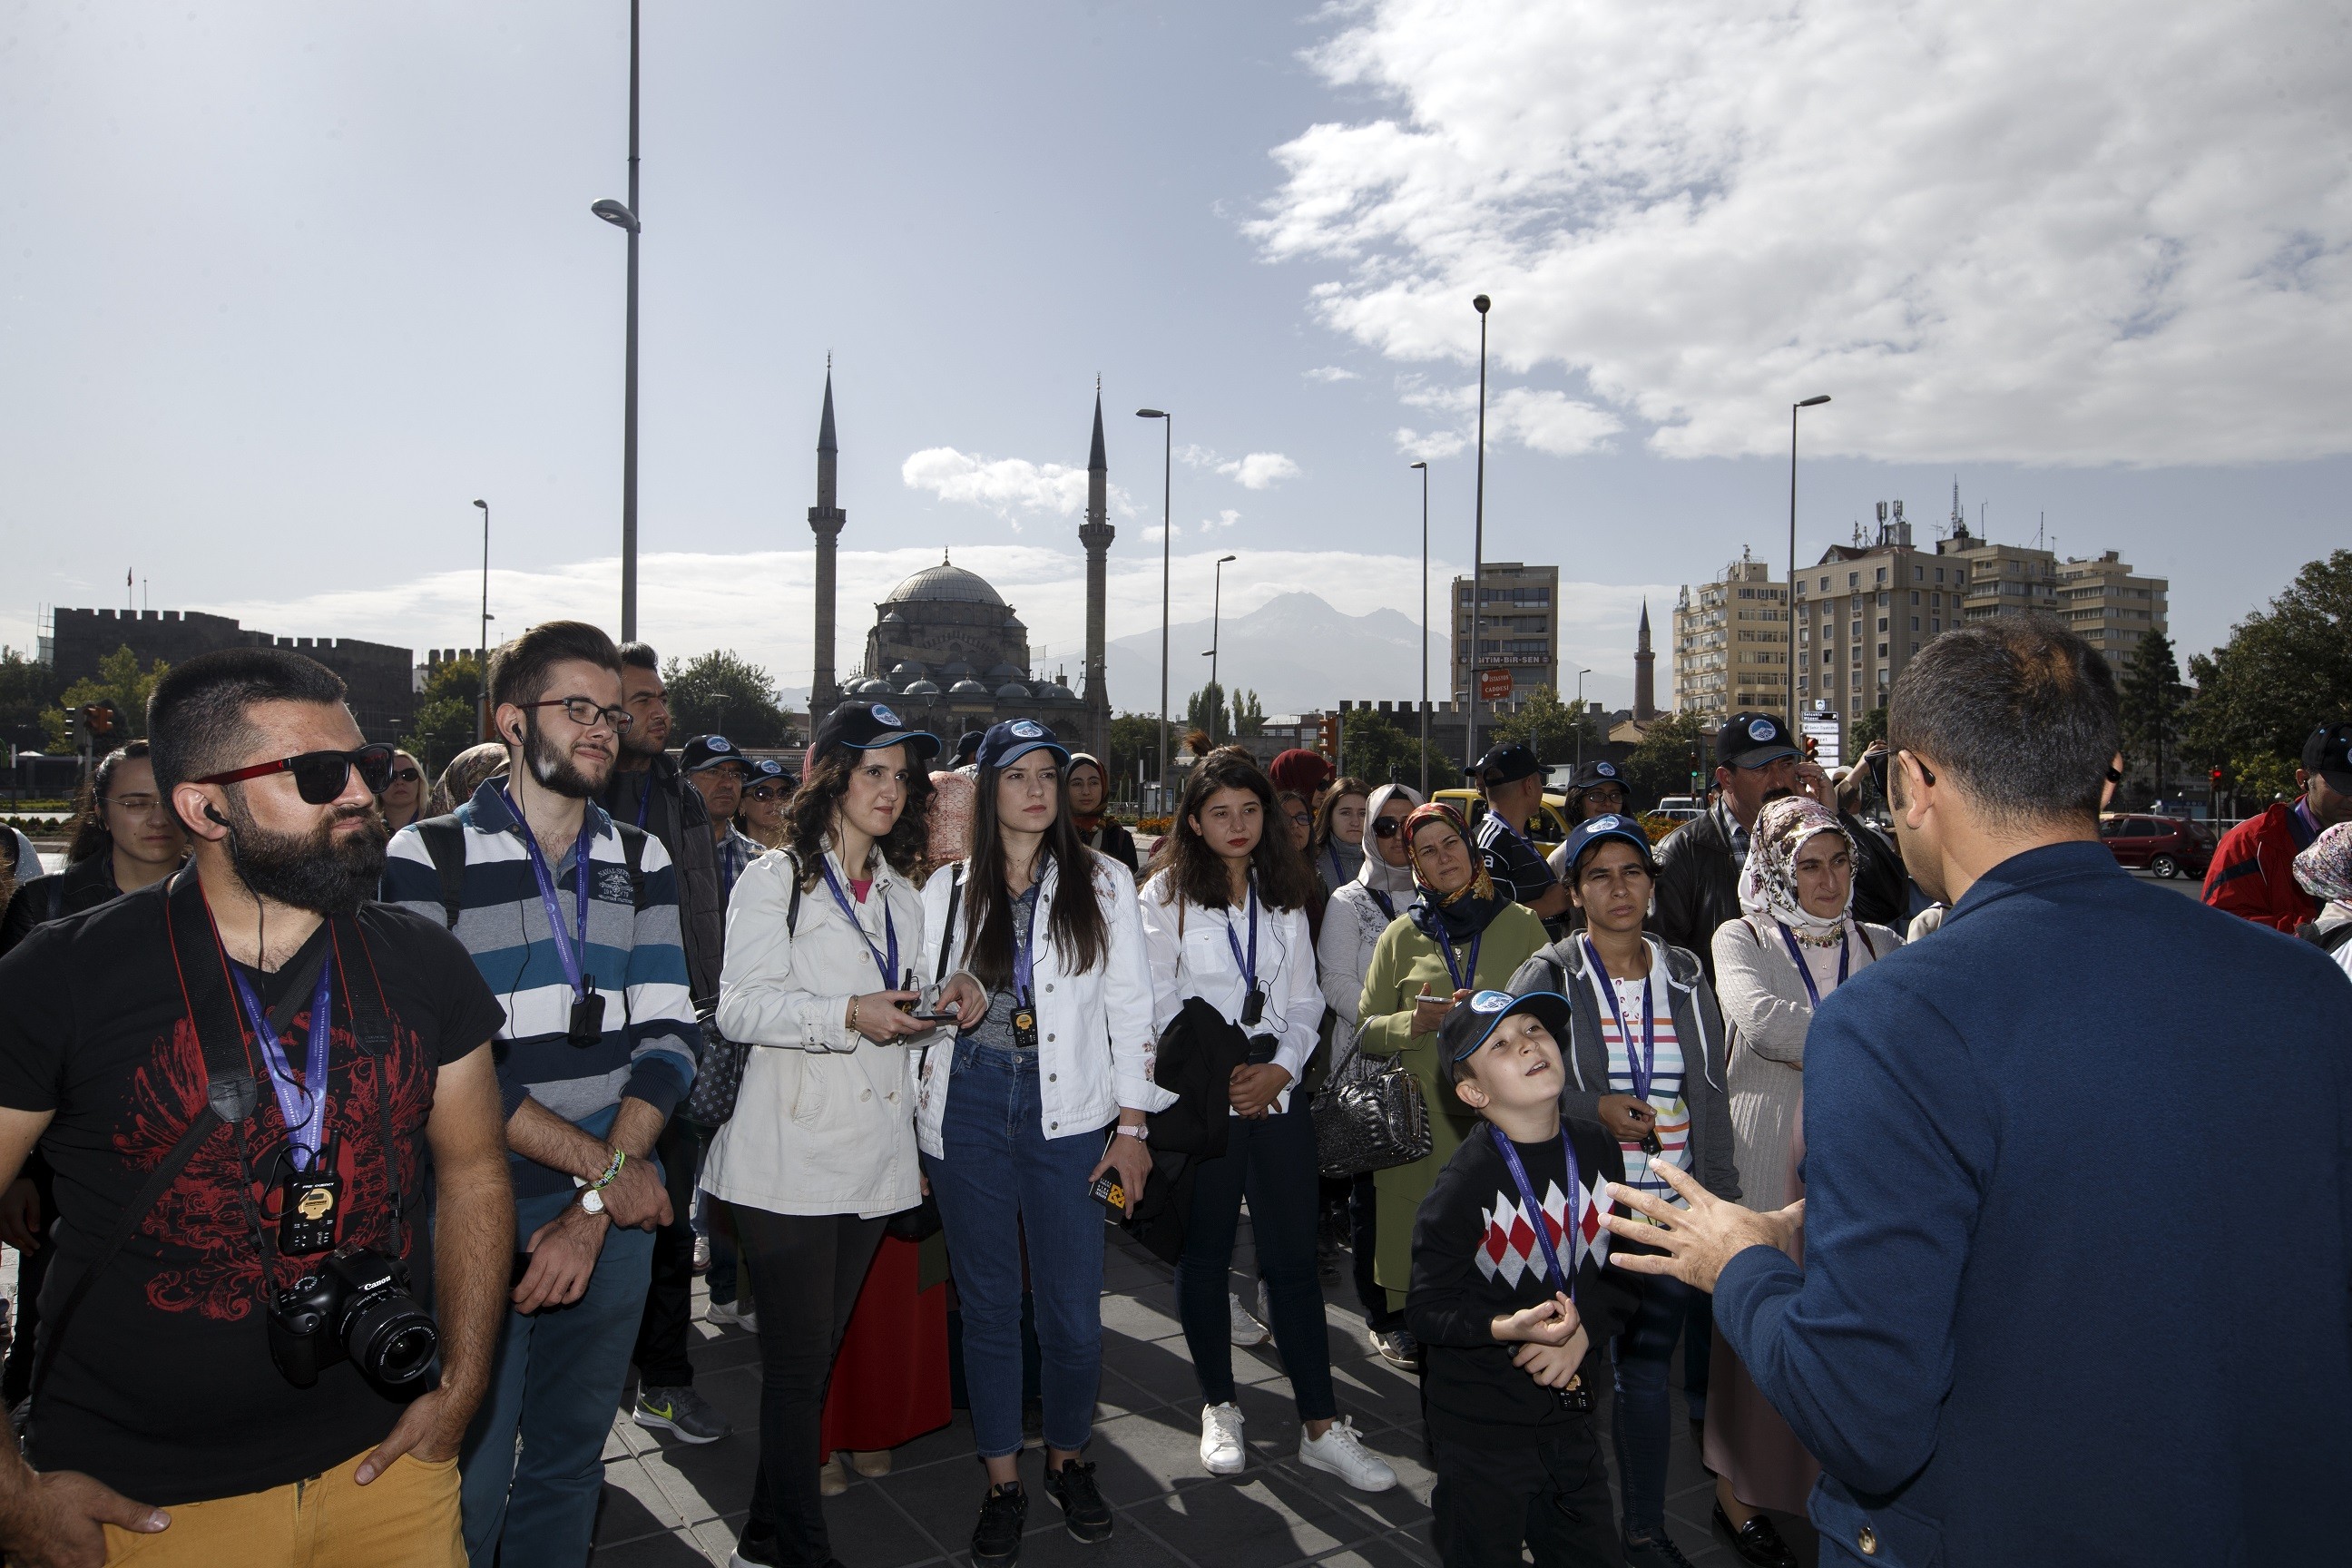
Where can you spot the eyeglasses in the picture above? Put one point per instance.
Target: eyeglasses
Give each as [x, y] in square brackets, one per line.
[767, 792]
[1302, 820]
[584, 712]
[320, 775]
[1388, 827]
[407, 775]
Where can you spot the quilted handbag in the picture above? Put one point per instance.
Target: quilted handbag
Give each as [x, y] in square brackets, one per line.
[1369, 1116]
[717, 1078]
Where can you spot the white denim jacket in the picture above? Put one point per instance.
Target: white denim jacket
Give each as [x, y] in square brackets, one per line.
[1095, 1044]
[1191, 957]
[825, 1122]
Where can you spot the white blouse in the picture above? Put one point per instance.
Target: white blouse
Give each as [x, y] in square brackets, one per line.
[1191, 956]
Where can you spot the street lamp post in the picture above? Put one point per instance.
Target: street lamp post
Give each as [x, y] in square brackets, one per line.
[1167, 481]
[1216, 614]
[1477, 545]
[482, 698]
[1580, 718]
[1807, 403]
[624, 215]
[1425, 628]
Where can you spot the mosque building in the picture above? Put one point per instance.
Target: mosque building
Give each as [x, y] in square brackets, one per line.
[946, 653]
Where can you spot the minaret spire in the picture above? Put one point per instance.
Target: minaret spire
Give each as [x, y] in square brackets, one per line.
[826, 520]
[1645, 672]
[1096, 535]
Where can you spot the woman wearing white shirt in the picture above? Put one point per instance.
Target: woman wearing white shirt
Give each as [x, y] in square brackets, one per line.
[1055, 1043]
[1224, 919]
[821, 1149]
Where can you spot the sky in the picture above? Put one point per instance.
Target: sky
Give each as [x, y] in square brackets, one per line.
[285, 287]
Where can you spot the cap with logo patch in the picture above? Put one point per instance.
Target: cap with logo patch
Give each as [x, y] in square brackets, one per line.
[704, 752]
[1018, 738]
[869, 727]
[1751, 741]
[2328, 753]
[1590, 833]
[1592, 775]
[1469, 1023]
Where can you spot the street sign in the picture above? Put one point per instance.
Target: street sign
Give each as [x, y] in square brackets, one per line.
[1822, 729]
[1494, 686]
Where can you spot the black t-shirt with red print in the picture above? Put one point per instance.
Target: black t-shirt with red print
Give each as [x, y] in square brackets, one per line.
[165, 1389]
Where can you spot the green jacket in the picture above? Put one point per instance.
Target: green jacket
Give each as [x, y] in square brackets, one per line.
[1402, 961]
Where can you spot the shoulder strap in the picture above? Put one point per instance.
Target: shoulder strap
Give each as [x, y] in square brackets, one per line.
[1868, 946]
[947, 932]
[633, 850]
[445, 841]
[792, 911]
[2332, 939]
[57, 896]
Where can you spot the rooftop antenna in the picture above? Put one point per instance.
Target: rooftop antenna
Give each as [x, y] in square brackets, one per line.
[2041, 531]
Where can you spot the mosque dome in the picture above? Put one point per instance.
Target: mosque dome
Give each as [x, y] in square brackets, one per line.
[967, 689]
[1012, 691]
[944, 581]
[923, 689]
[877, 687]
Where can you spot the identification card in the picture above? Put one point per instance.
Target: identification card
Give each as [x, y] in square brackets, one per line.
[314, 1204]
[1252, 1006]
[587, 1024]
[1024, 1029]
[1108, 1192]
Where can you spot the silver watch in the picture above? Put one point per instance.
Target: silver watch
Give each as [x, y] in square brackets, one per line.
[592, 1201]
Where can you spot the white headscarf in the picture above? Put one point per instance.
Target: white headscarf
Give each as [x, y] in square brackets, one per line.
[1377, 874]
[1768, 883]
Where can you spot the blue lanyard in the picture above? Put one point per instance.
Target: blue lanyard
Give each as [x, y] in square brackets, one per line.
[1561, 1279]
[1804, 972]
[1331, 852]
[303, 1105]
[574, 959]
[1387, 905]
[887, 964]
[1024, 970]
[1248, 965]
[1642, 1068]
[1463, 975]
[646, 801]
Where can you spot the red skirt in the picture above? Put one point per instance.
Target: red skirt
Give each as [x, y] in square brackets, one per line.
[890, 1381]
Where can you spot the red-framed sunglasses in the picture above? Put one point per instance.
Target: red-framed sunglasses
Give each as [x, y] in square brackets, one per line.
[320, 775]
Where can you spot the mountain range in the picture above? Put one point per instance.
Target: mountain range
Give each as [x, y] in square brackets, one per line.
[1296, 651]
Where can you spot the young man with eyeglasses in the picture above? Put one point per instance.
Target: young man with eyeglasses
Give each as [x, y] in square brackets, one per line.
[573, 918]
[239, 1073]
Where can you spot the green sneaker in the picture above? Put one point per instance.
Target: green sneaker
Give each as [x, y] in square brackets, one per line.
[681, 1410]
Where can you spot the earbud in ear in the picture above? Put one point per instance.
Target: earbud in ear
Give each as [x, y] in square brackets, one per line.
[213, 812]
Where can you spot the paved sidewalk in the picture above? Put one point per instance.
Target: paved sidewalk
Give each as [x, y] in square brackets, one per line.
[667, 1503]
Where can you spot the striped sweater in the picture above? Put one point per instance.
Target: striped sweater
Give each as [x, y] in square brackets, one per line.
[649, 1049]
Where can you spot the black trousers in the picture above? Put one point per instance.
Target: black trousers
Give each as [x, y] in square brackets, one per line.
[1551, 1497]
[663, 1333]
[1363, 1241]
[805, 1271]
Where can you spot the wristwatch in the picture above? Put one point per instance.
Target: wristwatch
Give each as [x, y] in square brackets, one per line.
[1140, 1133]
[592, 1201]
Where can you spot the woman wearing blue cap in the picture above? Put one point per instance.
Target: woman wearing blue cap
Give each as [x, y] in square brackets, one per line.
[1043, 1089]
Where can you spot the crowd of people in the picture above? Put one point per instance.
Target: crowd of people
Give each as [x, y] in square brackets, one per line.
[369, 1130]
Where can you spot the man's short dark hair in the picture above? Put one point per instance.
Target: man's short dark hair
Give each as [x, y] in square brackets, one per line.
[197, 716]
[640, 656]
[2020, 711]
[520, 671]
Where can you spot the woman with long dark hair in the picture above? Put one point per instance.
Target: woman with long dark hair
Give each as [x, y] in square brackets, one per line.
[124, 838]
[821, 1148]
[1044, 1089]
[1337, 847]
[1089, 790]
[1224, 920]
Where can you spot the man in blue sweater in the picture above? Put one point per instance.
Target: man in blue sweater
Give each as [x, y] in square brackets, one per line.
[2077, 1233]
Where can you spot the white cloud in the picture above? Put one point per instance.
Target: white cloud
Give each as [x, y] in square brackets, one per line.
[1005, 486]
[1257, 471]
[1436, 444]
[2098, 233]
[1329, 373]
[1224, 519]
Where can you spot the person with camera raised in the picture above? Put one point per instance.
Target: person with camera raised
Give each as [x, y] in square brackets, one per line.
[258, 1090]
[573, 917]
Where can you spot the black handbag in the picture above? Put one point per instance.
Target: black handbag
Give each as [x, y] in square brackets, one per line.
[918, 1224]
[1369, 1116]
[718, 1068]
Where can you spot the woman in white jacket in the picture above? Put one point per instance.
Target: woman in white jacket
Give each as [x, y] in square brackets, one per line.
[1040, 937]
[821, 1149]
[1224, 919]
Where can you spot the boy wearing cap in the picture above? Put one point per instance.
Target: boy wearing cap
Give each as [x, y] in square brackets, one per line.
[1510, 1298]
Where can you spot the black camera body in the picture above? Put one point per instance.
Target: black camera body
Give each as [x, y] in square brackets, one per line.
[356, 1306]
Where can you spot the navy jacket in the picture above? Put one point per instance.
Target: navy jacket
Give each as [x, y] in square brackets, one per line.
[2078, 1238]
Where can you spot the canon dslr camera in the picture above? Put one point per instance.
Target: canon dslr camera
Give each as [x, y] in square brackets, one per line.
[355, 1307]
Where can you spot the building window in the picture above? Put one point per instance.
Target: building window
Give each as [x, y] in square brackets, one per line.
[1882, 679]
[1934, 601]
[1914, 648]
[1881, 601]
[1918, 574]
[1915, 595]
[1882, 653]
[1825, 585]
[1935, 622]
[1882, 626]
[1914, 627]
[1853, 579]
[1882, 574]
[1857, 654]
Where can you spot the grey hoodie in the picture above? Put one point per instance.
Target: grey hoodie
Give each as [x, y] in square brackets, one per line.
[1561, 968]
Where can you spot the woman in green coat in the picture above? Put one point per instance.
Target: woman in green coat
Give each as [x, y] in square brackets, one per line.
[1461, 935]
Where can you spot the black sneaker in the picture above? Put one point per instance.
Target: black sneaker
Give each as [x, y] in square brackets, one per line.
[996, 1539]
[1083, 1508]
[1658, 1552]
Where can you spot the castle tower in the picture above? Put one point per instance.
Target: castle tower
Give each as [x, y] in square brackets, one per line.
[1645, 673]
[1096, 535]
[825, 520]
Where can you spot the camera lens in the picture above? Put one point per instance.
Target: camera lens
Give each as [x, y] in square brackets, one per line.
[390, 1340]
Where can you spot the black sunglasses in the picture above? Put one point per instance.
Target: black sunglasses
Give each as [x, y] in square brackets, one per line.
[767, 792]
[320, 775]
[407, 775]
[1388, 827]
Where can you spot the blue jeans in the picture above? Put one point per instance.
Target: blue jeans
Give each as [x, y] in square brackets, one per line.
[555, 1384]
[1003, 1182]
[1639, 1420]
[1271, 1162]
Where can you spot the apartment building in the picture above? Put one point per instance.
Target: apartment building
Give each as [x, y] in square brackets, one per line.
[1519, 630]
[1731, 643]
[2110, 607]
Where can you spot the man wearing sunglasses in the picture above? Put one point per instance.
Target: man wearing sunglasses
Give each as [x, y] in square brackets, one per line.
[235, 1072]
[573, 918]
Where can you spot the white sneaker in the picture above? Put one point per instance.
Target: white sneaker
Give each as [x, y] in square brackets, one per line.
[1340, 1452]
[744, 1317]
[1221, 1441]
[1265, 1306]
[1247, 1330]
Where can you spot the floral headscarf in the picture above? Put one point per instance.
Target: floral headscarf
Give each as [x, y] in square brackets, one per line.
[1768, 886]
[1468, 910]
[2325, 868]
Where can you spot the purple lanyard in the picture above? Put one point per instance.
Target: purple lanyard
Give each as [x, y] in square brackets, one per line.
[1642, 1068]
[646, 801]
[1024, 963]
[574, 960]
[1561, 1279]
[303, 1103]
[1804, 970]
[1248, 965]
[886, 962]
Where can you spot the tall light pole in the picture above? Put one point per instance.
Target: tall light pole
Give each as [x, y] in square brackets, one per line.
[1216, 616]
[482, 699]
[1425, 628]
[1477, 542]
[1807, 403]
[624, 215]
[1167, 480]
[1580, 718]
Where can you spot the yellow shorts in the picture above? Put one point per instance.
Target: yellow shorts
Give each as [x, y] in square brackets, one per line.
[405, 1517]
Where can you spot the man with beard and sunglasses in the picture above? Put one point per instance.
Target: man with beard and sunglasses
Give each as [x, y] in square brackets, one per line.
[248, 1078]
[573, 918]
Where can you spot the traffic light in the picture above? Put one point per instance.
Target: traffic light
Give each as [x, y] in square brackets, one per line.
[1326, 736]
[102, 723]
[1813, 749]
[2217, 778]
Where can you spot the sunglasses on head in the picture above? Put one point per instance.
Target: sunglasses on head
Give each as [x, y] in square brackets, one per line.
[320, 776]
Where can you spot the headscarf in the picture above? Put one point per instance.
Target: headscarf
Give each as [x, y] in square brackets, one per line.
[2325, 868]
[1087, 822]
[1393, 882]
[1469, 909]
[1301, 770]
[1768, 884]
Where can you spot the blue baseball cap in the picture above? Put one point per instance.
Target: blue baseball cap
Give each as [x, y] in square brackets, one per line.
[1469, 1022]
[870, 727]
[1018, 738]
[1590, 833]
[707, 751]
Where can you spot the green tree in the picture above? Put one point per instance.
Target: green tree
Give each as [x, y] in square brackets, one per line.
[28, 688]
[2285, 670]
[722, 693]
[1549, 725]
[446, 721]
[1868, 727]
[1249, 716]
[2152, 697]
[1374, 749]
[1205, 708]
[118, 680]
[1673, 747]
[1134, 736]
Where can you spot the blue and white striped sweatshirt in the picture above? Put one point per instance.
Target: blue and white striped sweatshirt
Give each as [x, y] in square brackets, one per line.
[649, 1049]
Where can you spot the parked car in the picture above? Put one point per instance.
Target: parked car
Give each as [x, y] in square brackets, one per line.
[2166, 845]
[1545, 832]
[1670, 813]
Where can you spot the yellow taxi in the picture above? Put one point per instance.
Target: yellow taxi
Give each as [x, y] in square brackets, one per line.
[1546, 832]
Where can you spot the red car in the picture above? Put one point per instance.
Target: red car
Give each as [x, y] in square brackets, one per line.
[2166, 846]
